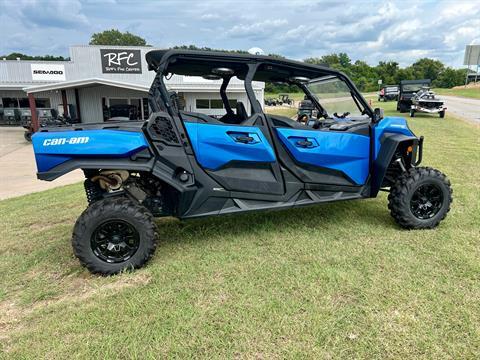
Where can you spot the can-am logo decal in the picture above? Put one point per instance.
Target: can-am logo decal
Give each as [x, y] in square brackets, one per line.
[48, 72]
[63, 141]
[121, 61]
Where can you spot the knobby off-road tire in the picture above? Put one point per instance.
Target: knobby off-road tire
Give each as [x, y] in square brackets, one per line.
[113, 235]
[420, 198]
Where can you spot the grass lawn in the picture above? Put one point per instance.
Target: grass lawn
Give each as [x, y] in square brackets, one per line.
[297, 96]
[281, 110]
[473, 93]
[340, 280]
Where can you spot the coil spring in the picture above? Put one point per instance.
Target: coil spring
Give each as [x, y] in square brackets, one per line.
[93, 191]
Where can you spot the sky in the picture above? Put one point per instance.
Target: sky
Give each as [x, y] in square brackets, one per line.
[372, 31]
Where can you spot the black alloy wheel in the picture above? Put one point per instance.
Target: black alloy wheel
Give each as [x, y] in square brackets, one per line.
[426, 201]
[115, 241]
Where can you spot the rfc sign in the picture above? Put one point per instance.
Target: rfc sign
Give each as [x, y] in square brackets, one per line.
[48, 72]
[121, 61]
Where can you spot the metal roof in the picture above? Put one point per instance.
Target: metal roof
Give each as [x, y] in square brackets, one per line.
[84, 83]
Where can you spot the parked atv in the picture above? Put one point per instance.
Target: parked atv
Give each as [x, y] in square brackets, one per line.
[187, 164]
[11, 116]
[425, 101]
[285, 99]
[388, 92]
[408, 89]
[271, 102]
[47, 117]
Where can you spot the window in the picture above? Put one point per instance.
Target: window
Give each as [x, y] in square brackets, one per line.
[233, 103]
[216, 104]
[9, 102]
[24, 103]
[334, 95]
[42, 103]
[203, 104]
[118, 102]
[146, 109]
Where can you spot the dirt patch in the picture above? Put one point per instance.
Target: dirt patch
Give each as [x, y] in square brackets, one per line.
[77, 290]
[468, 86]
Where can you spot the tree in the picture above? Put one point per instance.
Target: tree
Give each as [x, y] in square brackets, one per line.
[450, 78]
[387, 71]
[15, 56]
[426, 68]
[115, 37]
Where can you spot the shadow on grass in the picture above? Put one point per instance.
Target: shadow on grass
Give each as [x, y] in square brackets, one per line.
[346, 216]
[328, 216]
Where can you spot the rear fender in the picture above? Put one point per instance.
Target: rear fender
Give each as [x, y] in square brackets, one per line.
[59, 152]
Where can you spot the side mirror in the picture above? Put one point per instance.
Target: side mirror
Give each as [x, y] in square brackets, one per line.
[377, 114]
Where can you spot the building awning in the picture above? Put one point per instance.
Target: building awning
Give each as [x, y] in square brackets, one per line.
[11, 87]
[84, 83]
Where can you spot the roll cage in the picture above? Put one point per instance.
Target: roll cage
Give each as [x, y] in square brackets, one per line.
[245, 67]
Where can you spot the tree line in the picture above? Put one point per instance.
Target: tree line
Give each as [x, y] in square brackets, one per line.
[362, 74]
[366, 77]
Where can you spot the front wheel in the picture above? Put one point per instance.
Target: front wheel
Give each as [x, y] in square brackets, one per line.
[442, 114]
[420, 198]
[412, 113]
[113, 235]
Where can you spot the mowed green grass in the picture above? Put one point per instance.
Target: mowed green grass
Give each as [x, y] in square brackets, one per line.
[338, 280]
[473, 93]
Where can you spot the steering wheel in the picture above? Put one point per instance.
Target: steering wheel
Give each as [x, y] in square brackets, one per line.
[343, 116]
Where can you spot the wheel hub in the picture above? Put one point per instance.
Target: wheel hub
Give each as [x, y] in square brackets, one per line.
[426, 201]
[115, 241]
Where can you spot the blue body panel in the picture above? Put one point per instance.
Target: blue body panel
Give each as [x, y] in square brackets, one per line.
[214, 145]
[346, 152]
[53, 148]
[397, 125]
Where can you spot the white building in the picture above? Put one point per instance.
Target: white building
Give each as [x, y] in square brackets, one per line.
[98, 77]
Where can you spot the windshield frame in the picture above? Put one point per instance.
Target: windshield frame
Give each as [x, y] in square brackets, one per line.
[357, 98]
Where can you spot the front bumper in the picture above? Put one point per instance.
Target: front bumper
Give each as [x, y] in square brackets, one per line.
[427, 110]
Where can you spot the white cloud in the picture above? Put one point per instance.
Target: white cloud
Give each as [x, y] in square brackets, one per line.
[400, 30]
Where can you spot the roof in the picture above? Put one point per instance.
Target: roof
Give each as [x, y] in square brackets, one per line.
[84, 83]
[417, 81]
[198, 63]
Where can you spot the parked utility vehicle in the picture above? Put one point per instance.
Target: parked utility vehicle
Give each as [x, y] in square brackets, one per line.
[188, 164]
[425, 101]
[408, 89]
[388, 92]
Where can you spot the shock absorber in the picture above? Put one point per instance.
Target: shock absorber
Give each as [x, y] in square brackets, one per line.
[93, 191]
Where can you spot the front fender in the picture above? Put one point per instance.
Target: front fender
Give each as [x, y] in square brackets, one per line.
[389, 145]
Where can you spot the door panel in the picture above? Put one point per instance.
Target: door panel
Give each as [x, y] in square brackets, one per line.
[345, 152]
[240, 158]
[217, 145]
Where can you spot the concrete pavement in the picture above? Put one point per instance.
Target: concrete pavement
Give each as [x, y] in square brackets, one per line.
[18, 168]
[468, 109]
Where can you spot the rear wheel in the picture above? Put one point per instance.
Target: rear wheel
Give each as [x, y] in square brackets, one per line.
[113, 235]
[420, 198]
